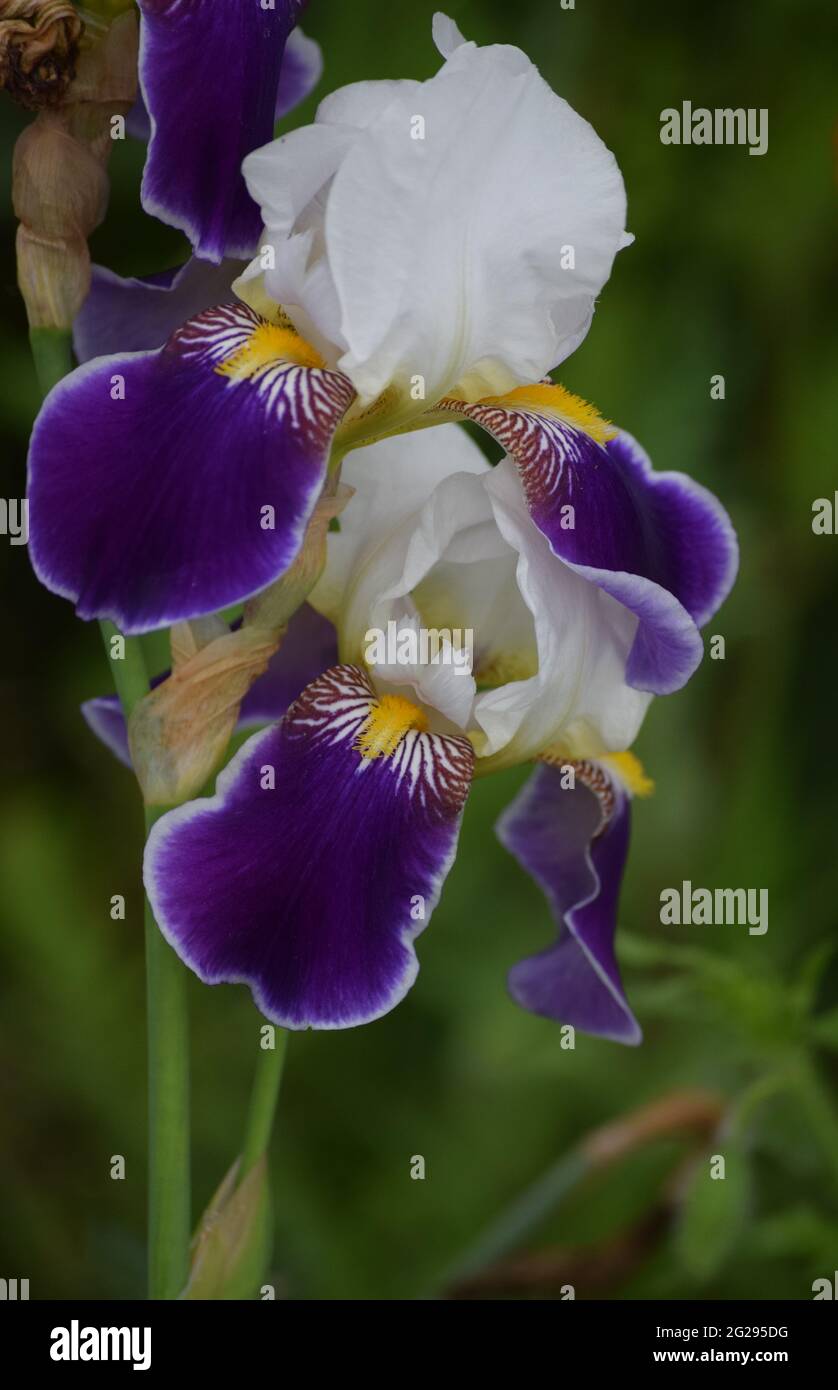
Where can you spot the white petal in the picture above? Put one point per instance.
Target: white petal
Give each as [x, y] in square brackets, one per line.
[468, 556]
[445, 213]
[284, 176]
[447, 686]
[392, 480]
[446, 251]
[360, 104]
[579, 697]
[446, 34]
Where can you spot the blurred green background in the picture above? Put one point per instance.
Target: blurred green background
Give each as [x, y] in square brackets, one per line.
[733, 272]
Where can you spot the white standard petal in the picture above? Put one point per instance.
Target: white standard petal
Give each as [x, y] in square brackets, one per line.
[391, 481]
[470, 232]
[550, 646]
[579, 698]
[446, 33]
[467, 224]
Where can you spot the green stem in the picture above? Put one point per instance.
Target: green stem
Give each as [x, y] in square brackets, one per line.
[169, 1194]
[263, 1101]
[129, 672]
[169, 1221]
[52, 353]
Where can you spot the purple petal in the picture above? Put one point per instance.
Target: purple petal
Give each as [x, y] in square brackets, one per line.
[302, 68]
[132, 315]
[152, 508]
[308, 648]
[313, 892]
[552, 832]
[657, 542]
[103, 715]
[209, 75]
[691, 544]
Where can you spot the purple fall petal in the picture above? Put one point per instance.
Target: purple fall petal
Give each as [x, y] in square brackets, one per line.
[209, 74]
[659, 543]
[308, 648]
[151, 508]
[552, 832]
[313, 891]
[132, 315]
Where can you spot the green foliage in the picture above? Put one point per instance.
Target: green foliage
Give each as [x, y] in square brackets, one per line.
[714, 1213]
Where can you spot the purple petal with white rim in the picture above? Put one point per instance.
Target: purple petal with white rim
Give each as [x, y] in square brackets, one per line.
[659, 543]
[556, 834]
[312, 892]
[302, 68]
[103, 716]
[190, 54]
[192, 489]
[691, 543]
[308, 648]
[132, 315]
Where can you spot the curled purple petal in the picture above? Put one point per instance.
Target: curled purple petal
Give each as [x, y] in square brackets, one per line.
[132, 315]
[168, 485]
[555, 834]
[103, 716]
[209, 75]
[308, 648]
[312, 870]
[659, 543]
[302, 68]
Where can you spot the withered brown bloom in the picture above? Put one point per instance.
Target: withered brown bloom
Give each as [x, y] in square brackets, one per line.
[39, 46]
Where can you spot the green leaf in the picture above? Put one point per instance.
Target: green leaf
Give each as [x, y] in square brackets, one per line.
[824, 1030]
[714, 1211]
[232, 1245]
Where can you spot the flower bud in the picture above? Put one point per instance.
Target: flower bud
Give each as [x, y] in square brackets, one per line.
[59, 180]
[60, 192]
[179, 732]
[231, 1247]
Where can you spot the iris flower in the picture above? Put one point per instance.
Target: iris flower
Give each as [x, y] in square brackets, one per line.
[400, 280]
[323, 853]
[431, 251]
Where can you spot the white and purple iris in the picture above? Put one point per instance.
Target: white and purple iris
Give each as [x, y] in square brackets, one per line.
[401, 285]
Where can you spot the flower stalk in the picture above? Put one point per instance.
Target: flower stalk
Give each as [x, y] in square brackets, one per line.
[169, 1186]
[263, 1102]
[168, 1037]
